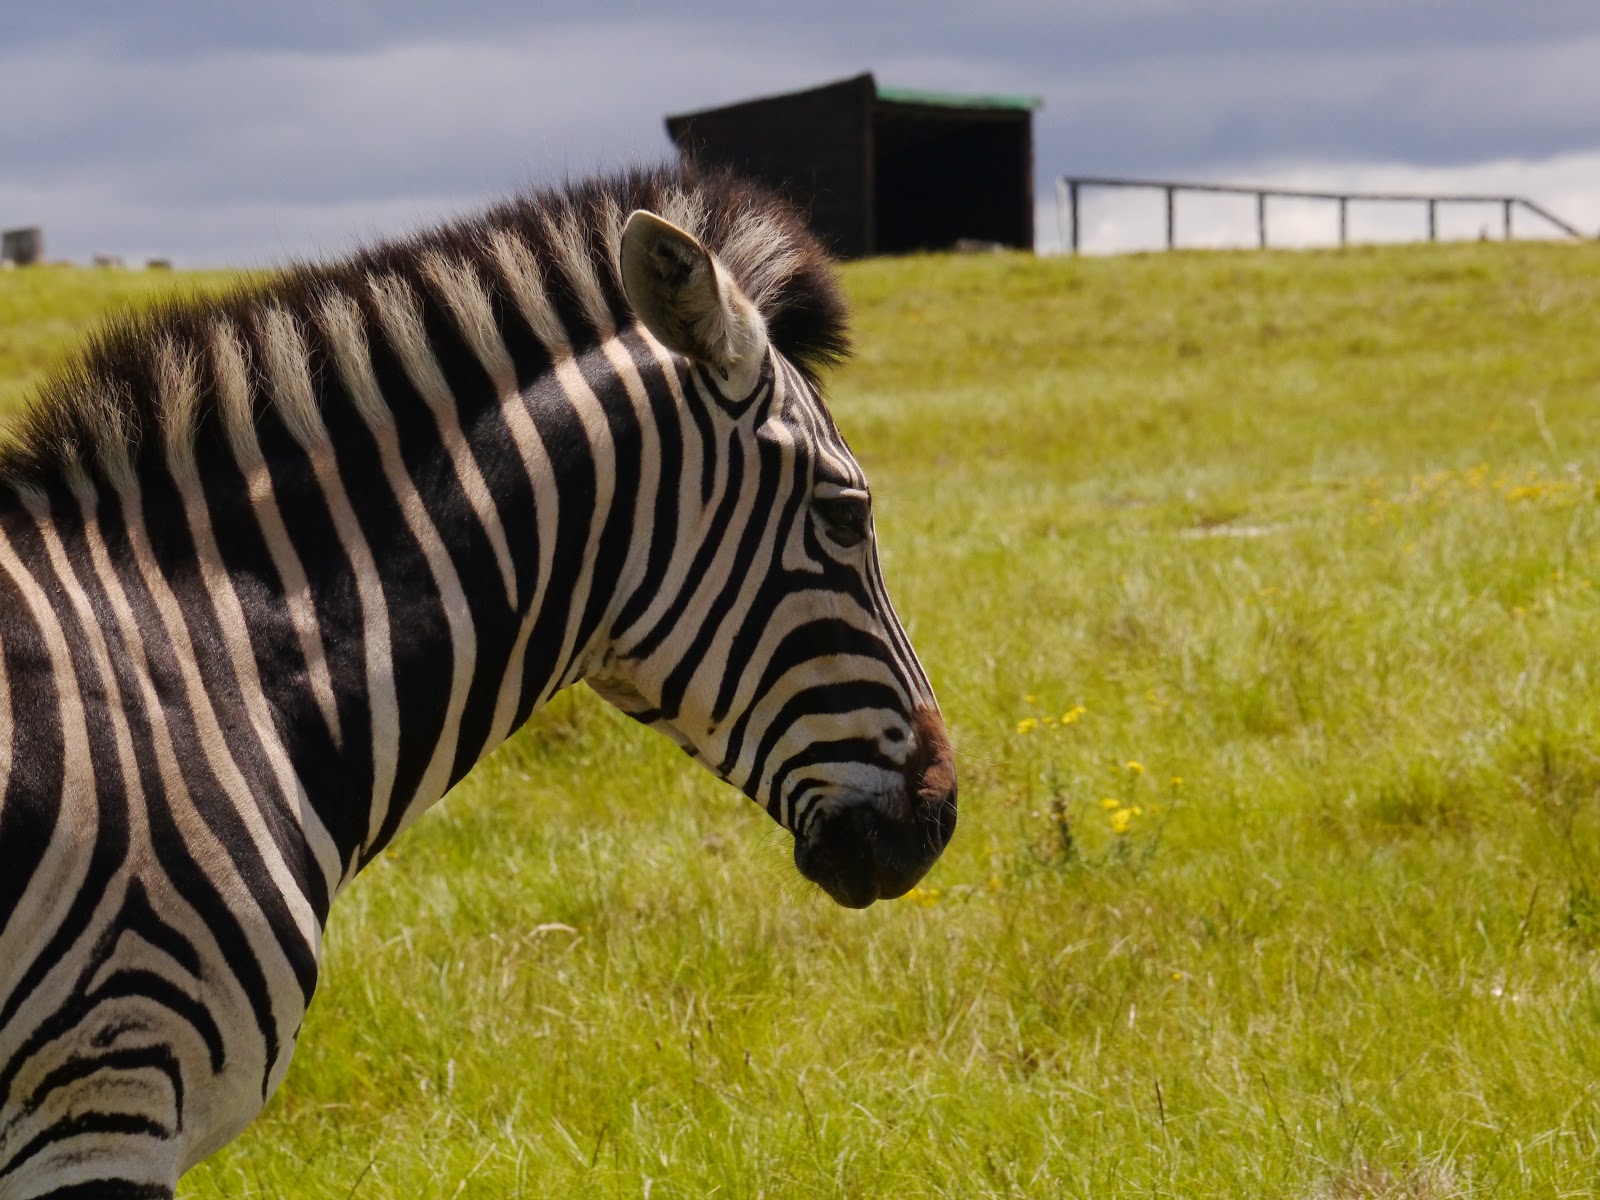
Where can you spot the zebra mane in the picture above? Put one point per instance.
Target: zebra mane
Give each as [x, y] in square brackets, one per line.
[148, 380]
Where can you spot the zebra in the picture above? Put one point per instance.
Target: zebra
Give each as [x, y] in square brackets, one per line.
[278, 567]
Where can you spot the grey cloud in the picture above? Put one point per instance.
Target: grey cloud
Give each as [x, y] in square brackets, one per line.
[297, 128]
[1451, 106]
[1076, 32]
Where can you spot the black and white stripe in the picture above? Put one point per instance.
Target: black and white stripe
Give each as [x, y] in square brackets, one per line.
[276, 569]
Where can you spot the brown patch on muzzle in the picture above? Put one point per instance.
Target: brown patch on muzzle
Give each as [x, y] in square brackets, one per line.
[931, 769]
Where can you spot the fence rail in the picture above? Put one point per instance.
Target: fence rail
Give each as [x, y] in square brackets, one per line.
[1070, 187]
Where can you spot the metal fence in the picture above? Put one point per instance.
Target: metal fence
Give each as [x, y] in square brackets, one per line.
[1069, 189]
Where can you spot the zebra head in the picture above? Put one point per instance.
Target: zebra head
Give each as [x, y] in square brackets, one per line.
[769, 650]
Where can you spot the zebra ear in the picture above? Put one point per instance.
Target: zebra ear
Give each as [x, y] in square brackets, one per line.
[682, 295]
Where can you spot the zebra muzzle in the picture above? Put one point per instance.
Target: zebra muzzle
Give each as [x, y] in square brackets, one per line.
[863, 850]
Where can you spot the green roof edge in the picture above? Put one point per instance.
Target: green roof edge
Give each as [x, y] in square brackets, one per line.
[897, 95]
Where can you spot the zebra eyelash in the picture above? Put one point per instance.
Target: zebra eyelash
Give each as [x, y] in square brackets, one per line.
[845, 512]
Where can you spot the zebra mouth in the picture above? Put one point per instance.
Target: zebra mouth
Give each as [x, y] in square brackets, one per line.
[858, 855]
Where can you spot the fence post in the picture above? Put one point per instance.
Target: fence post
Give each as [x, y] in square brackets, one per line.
[1344, 220]
[1261, 219]
[1433, 220]
[1506, 214]
[1062, 230]
[1072, 205]
[1172, 220]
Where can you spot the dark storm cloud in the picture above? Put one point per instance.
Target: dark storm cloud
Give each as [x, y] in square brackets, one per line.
[162, 122]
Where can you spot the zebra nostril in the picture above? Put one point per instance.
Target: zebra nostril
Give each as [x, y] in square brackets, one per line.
[894, 735]
[947, 820]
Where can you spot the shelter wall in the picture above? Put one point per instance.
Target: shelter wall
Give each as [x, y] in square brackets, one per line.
[810, 146]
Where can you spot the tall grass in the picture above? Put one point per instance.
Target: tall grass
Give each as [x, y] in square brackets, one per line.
[1260, 592]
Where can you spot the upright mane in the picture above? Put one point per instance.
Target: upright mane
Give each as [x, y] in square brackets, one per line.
[116, 392]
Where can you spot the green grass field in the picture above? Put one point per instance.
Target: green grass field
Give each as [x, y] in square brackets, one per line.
[1259, 590]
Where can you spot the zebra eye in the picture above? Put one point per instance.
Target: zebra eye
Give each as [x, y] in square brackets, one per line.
[845, 513]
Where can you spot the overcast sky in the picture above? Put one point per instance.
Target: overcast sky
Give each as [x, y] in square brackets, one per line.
[218, 132]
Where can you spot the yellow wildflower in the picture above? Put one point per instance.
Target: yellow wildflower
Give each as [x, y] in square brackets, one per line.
[1072, 714]
[1110, 802]
[1030, 698]
[1121, 819]
[1027, 724]
[1136, 767]
[1177, 781]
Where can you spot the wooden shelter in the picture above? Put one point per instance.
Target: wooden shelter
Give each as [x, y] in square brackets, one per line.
[882, 170]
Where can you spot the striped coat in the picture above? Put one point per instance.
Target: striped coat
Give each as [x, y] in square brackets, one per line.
[277, 568]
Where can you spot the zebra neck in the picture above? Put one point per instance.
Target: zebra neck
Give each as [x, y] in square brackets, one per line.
[363, 593]
[484, 528]
[487, 540]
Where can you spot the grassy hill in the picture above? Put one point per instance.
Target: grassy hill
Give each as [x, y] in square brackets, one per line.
[1259, 590]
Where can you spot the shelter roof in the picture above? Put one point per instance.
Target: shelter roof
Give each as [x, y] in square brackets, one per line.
[892, 95]
[895, 95]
